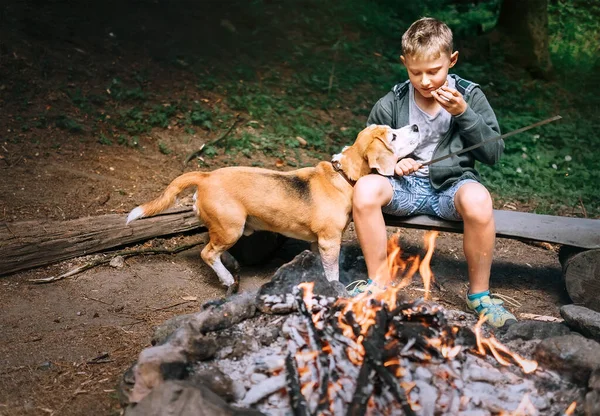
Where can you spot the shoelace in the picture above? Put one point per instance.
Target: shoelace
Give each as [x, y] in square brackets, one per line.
[357, 285]
[494, 305]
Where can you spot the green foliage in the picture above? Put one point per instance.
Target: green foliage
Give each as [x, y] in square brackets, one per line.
[160, 115]
[66, 123]
[574, 33]
[332, 60]
[163, 148]
[198, 116]
[133, 121]
[121, 92]
[102, 139]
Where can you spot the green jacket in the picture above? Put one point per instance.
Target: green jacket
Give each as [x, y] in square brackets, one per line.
[476, 124]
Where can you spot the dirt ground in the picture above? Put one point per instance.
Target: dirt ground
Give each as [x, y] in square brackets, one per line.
[65, 345]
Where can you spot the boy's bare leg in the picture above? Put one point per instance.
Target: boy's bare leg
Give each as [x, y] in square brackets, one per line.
[474, 204]
[371, 192]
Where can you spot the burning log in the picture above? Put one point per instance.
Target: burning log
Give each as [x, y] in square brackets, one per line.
[373, 353]
[363, 391]
[316, 344]
[264, 389]
[297, 400]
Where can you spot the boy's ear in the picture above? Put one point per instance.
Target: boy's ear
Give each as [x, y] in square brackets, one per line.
[453, 59]
[403, 60]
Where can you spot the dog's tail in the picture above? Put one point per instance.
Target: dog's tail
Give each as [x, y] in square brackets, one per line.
[167, 198]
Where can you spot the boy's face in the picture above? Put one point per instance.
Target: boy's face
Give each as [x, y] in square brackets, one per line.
[428, 74]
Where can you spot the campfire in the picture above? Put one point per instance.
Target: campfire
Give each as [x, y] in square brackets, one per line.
[355, 356]
[378, 353]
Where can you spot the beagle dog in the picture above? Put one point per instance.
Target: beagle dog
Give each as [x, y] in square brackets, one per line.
[312, 204]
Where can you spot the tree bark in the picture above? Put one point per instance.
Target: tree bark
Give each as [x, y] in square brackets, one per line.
[581, 271]
[523, 26]
[29, 244]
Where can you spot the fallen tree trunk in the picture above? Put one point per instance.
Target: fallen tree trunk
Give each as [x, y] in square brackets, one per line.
[29, 244]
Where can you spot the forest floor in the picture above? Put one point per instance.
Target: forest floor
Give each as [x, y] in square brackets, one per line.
[65, 345]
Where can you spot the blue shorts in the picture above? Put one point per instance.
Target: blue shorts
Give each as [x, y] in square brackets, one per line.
[414, 195]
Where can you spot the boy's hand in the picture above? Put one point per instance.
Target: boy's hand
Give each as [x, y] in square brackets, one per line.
[406, 166]
[450, 99]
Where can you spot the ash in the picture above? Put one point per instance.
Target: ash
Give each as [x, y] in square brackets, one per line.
[307, 362]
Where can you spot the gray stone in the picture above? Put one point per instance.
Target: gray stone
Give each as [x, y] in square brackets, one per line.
[217, 381]
[306, 267]
[583, 320]
[216, 315]
[164, 330]
[594, 383]
[117, 262]
[572, 355]
[529, 330]
[591, 407]
[179, 398]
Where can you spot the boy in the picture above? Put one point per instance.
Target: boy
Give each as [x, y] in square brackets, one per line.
[452, 114]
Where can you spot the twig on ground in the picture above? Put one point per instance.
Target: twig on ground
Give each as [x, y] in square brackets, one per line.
[172, 306]
[101, 359]
[196, 153]
[97, 300]
[122, 253]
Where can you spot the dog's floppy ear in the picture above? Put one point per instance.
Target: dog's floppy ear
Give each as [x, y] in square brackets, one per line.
[381, 157]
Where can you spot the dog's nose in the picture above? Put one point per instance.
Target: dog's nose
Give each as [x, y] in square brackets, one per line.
[415, 128]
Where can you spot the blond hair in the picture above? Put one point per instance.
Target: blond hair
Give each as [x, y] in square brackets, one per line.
[427, 38]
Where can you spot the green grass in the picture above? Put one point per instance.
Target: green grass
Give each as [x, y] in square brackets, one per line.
[316, 70]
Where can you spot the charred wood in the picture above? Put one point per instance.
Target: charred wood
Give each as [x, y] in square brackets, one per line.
[297, 400]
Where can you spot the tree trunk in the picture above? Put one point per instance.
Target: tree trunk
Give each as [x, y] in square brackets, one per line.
[581, 271]
[523, 26]
[29, 244]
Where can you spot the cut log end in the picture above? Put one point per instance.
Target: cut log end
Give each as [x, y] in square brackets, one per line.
[581, 271]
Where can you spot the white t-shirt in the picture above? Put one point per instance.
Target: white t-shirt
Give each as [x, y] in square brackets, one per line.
[431, 128]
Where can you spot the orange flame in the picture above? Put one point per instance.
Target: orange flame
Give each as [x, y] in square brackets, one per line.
[571, 409]
[365, 306]
[307, 293]
[525, 407]
[496, 348]
[424, 268]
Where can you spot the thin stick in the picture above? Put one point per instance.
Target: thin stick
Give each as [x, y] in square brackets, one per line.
[493, 139]
[97, 300]
[172, 306]
[582, 208]
[199, 151]
[123, 253]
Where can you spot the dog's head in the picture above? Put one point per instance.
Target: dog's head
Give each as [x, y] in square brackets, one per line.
[378, 147]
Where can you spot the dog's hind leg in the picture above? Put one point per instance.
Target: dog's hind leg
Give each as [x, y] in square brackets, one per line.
[216, 247]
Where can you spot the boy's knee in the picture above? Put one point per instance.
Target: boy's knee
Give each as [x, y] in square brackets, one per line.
[371, 191]
[474, 202]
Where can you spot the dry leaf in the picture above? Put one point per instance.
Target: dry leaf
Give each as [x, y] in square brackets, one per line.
[543, 318]
[301, 141]
[279, 163]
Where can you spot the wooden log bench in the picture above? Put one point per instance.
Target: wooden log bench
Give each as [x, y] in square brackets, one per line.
[579, 239]
[29, 244]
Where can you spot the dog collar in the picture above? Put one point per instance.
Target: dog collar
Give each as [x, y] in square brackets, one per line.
[337, 166]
